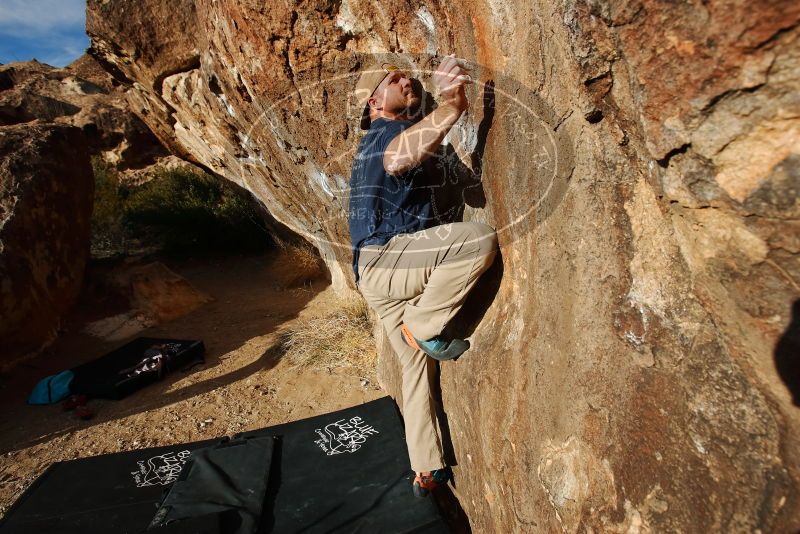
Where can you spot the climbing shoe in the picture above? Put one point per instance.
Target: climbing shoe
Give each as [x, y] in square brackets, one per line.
[424, 483]
[437, 348]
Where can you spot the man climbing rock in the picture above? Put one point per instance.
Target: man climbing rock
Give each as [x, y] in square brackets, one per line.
[413, 268]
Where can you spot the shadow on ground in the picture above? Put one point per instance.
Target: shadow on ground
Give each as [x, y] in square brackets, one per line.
[249, 303]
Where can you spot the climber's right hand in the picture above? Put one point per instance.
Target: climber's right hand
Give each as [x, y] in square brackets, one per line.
[416, 144]
[449, 79]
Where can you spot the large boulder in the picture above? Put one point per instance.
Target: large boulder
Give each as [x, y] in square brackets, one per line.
[46, 189]
[641, 165]
[52, 121]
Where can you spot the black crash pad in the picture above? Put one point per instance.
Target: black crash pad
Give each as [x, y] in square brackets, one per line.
[101, 494]
[221, 489]
[346, 471]
[106, 378]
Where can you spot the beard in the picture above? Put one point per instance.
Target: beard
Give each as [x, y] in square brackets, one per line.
[414, 108]
[411, 107]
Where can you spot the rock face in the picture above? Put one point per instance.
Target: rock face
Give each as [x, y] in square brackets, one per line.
[51, 121]
[46, 188]
[86, 96]
[641, 162]
[155, 295]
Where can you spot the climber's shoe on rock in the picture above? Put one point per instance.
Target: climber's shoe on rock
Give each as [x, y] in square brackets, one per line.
[437, 348]
[425, 483]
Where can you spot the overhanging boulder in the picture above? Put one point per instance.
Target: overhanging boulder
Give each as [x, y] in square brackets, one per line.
[641, 170]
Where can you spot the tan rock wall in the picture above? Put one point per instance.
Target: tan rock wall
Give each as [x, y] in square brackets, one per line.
[642, 170]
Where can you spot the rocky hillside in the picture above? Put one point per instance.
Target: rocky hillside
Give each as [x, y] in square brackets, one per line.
[640, 162]
[86, 96]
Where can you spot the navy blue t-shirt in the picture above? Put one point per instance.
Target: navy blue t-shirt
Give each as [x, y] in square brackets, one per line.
[381, 205]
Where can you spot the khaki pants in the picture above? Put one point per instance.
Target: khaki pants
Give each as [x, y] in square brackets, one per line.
[422, 280]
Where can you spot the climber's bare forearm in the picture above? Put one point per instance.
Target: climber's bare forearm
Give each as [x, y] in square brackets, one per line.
[419, 142]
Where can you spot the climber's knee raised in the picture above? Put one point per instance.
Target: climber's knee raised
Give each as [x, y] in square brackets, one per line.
[486, 238]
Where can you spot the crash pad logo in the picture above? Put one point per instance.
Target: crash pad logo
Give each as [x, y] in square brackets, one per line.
[345, 435]
[160, 470]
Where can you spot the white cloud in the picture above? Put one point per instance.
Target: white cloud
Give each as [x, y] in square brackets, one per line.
[69, 52]
[50, 30]
[30, 18]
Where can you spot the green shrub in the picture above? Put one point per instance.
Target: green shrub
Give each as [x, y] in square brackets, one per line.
[108, 233]
[180, 211]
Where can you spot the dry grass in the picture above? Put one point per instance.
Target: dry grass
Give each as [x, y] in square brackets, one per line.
[340, 338]
[298, 264]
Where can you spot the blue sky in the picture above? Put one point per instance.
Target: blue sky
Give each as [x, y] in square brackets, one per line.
[52, 31]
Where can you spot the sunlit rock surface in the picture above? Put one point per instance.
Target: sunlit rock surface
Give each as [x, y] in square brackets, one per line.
[83, 95]
[641, 167]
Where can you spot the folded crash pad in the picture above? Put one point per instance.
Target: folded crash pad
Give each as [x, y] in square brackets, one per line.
[346, 471]
[222, 485]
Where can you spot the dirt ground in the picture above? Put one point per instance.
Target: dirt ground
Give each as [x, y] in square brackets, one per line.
[243, 385]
